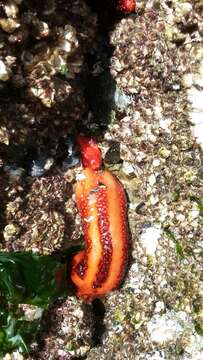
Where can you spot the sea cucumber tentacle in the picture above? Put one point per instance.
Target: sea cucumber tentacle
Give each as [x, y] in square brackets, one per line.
[90, 153]
[126, 6]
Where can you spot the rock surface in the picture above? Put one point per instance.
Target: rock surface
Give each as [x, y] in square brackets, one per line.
[136, 82]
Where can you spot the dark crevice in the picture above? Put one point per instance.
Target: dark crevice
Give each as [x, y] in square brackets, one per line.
[99, 327]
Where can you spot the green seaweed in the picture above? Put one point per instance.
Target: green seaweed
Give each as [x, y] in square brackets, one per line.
[26, 278]
[176, 195]
[32, 279]
[15, 332]
[178, 246]
[198, 202]
[63, 70]
[199, 329]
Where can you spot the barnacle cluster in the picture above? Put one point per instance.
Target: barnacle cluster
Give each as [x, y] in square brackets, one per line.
[42, 65]
[42, 70]
[68, 329]
[40, 215]
[141, 53]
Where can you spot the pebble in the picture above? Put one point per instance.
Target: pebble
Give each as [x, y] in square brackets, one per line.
[156, 162]
[154, 199]
[9, 25]
[159, 307]
[194, 213]
[165, 153]
[198, 79]
[14, 356]
[128, 168]
[187, 80]
[11, 9]
[195, 97]
[4, 75]
[152, 180]
[149, 239]
[14, 172]
[182, 9]
[176, 87]
[165, 328]
[32, 312]
[140, 156]
[180, 217]
[164, 124]
[40, 166]
[194, 348]
[4, 135]
[10, 230]
[122, 101]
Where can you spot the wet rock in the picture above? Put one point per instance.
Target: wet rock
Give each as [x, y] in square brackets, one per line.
[112, 155]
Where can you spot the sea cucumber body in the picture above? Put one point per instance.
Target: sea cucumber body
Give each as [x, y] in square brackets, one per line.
[102, 204]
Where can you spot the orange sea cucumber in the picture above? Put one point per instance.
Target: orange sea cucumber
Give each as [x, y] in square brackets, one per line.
[102, 204]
